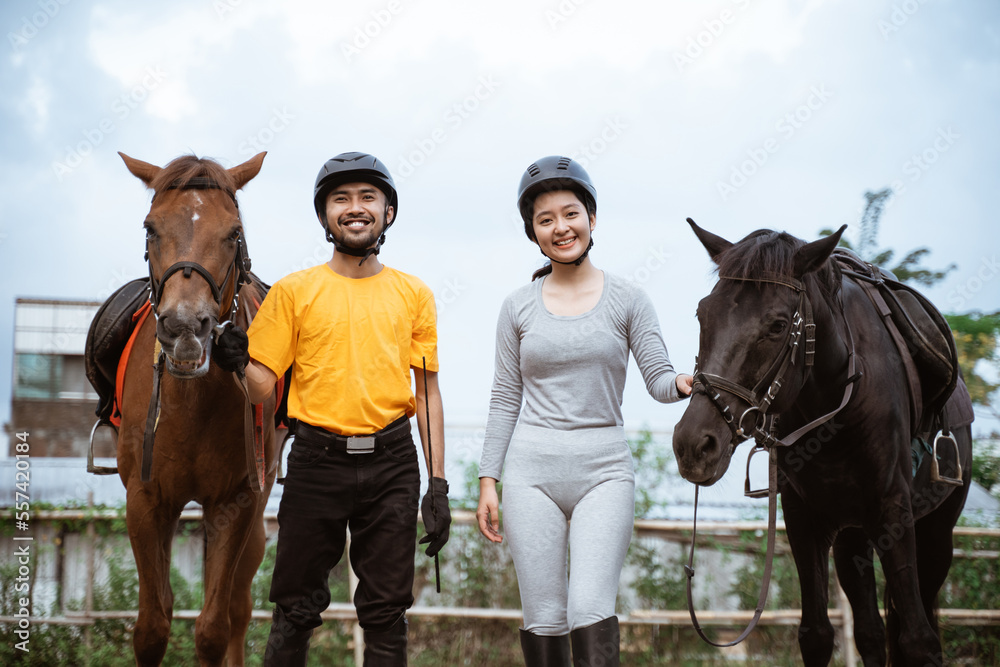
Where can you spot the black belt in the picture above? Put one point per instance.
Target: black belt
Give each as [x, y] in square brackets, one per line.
[354, 444]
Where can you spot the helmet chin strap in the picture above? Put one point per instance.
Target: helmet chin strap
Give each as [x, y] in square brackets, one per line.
[579, 260]
[363, 253]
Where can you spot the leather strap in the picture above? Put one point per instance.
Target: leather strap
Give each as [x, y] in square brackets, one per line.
[153, 414]
[772, 520]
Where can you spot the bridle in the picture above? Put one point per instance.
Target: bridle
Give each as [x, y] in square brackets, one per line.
[764, 426]
[762, 396]
[238, 268]
[237, 275]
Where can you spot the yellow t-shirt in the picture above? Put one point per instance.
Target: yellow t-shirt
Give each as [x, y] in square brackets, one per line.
[350, 343]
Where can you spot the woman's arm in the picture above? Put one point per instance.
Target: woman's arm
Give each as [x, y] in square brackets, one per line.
[488, 512]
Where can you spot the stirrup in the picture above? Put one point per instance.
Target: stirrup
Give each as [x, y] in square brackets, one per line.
[936, 475]
[100, 470]
[747, 491]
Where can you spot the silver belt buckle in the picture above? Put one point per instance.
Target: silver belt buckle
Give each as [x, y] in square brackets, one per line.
[361, 444]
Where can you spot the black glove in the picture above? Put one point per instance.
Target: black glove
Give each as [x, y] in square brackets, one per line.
[437, 516]
[230, 349]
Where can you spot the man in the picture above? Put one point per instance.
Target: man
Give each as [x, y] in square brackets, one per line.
[352, 330]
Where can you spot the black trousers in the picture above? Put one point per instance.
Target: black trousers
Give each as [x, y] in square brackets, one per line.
[327, 491]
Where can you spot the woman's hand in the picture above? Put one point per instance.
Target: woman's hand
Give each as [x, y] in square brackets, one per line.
[488, 512]
[685, 383]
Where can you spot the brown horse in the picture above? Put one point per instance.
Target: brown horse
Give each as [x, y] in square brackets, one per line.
[199, 452]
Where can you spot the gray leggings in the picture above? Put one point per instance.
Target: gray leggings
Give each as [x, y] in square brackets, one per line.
[550, 478]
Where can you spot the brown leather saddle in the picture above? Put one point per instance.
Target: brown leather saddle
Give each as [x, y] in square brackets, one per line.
[927, 348]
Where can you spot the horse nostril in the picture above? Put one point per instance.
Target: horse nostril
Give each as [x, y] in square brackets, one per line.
[206, 327]
[707, 447]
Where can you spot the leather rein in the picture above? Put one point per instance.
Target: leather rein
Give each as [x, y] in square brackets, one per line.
[237, 275]
[763, 427]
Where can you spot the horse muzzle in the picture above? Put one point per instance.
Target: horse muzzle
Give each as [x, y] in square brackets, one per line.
[186, 343]
[702, 452]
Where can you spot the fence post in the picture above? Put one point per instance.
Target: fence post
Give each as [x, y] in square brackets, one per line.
[88, 602]
[846, 626]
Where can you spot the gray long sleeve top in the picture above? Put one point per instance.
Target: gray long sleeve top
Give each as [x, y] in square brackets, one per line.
[569, 372]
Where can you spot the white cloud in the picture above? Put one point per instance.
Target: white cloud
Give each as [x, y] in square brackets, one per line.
[35, 105]
[128, 45]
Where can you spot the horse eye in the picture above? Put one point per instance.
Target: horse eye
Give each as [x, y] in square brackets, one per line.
[777, 327]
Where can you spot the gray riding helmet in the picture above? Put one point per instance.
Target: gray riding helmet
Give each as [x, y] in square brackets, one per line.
[348, 167]
[554, 172]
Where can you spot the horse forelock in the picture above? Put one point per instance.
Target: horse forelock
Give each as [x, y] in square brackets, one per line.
[180, 172]
[760, 255]
[766, 254]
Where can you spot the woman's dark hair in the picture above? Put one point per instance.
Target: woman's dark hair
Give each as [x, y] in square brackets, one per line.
[585, 198]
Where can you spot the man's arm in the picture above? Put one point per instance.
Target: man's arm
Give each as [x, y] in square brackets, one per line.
[260, 381]
[433, 400]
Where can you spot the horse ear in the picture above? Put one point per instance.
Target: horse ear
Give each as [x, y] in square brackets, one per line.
[715, 245]
[811, 256]
[243, 173]
[144, 171]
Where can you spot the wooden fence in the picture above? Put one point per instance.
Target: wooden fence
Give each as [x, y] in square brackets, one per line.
[719, 534]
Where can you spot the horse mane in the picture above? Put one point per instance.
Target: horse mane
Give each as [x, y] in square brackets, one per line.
[184, 169]
[767, 254]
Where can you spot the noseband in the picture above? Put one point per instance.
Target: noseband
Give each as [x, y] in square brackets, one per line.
[760, 399]
[240, 265]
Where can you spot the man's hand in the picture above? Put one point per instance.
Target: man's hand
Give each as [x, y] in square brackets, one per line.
[436, 514]
[230, 349]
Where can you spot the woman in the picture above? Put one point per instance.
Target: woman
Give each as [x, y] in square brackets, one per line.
[562, 346]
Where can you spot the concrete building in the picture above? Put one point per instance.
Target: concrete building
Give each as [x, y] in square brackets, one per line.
[51, 398]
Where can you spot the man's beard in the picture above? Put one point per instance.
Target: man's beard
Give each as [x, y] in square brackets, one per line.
[357, 240]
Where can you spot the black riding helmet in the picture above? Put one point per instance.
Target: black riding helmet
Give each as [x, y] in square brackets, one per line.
[551, 173]
[349, 168]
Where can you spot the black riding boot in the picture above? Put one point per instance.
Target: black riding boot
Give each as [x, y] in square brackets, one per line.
[541, 651]
[387, 648]
[287, 649]
[597, 645]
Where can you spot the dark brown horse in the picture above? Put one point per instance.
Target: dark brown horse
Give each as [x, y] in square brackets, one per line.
[197, 262]
[850, 483]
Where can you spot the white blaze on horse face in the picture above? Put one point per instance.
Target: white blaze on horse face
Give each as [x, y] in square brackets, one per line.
[197, 202]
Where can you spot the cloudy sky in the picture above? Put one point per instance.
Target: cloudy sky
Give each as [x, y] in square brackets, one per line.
[739, 113]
